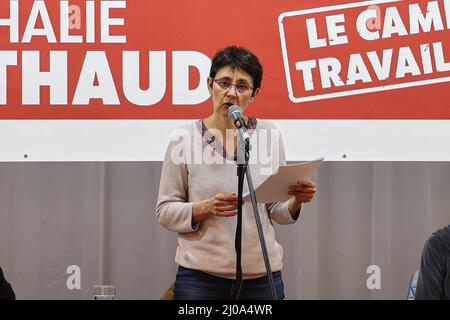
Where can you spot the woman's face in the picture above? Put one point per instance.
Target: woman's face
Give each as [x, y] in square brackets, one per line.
[240, 92]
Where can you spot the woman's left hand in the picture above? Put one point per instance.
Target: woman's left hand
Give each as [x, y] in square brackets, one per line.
[303, 191]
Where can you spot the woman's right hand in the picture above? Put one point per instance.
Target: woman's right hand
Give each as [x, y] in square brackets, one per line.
[223, 204]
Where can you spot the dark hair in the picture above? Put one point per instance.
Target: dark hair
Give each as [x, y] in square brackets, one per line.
[238, 58]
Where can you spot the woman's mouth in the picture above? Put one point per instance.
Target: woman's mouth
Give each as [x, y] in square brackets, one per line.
[228, 104]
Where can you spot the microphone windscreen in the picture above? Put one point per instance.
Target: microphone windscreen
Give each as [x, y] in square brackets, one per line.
[234, 112]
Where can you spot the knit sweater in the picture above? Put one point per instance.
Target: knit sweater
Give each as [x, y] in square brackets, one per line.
[196, 167]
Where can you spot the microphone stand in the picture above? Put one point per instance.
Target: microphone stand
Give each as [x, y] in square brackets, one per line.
[243, 155]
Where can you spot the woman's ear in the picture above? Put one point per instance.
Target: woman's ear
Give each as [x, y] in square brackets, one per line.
[210, 85]
[254, 95]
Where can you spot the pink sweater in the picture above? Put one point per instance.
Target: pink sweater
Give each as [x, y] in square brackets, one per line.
[209, 245]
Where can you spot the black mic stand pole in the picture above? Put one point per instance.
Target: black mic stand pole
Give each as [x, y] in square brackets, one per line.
[243, 155]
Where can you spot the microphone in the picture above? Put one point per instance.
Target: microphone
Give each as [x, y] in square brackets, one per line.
[235, 114]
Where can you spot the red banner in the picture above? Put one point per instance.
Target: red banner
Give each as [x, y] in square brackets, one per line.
[145, 59]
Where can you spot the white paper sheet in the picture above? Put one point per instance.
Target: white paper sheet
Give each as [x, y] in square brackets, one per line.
[275, 187]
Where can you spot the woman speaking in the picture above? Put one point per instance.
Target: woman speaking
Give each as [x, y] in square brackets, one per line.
[198, 199]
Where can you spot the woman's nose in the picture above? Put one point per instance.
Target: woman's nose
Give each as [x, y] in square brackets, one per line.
[231, 90]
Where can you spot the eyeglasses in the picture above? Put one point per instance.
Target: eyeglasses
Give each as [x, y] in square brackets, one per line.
[226, 85]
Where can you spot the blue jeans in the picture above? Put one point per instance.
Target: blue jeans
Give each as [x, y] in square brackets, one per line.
[193, 284]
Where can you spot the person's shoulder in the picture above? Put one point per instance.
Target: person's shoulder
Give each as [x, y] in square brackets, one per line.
[442, 236]
[265, 124]
[439, 240]
[185, 129]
